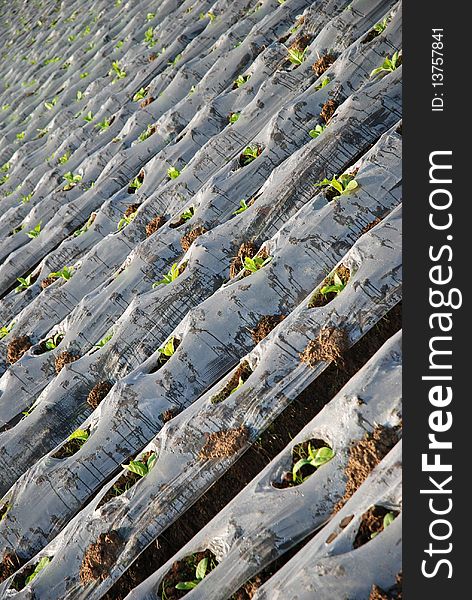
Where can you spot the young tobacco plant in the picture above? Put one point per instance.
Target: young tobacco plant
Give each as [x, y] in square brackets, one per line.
[117, 71]
[126, 220]
[140, 95]
[316, 458]
[336, 287]
[103, 125]
[43, 562]
[168, 349]
[141, 468]
[249, 154]
[200, 572]
[64, 158]
[105, 339]
[241, 80]
[344, 184]
[173, 172]
[65, 273]
[147, 133]
[72, 180]
[317, 131]
[168, 277]
[296, 57]
[233, 117]
[85, 227]
[5, 330]
[256, 263]
[389, 64]
[149, 37]
[324, 82]
[242, 207]
[34, 233]
[25, 283]
[52, 343]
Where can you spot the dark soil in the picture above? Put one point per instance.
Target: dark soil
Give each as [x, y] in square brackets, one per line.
[100, 557]
[323, 64]
[69, 448]
[184, 570]
[399, 129]
[265, 326]
[328, 110]
[330, 346]
[146, 102]
[152, 57]
[371, 225]
[19, 581]
[187, 240]
[364, 455]
[371, 523]
[300, 43]
[371, 35]
[98, 393]
[9, 565]
[132, 208]
[319, 299]
[300, 451]
[242, 372]
[300, 412]
[247, 249]
[63, 359]
[154, 225]
[17, 347]
[394, 593]
[47, 282]
[123, 483]
[222, 444]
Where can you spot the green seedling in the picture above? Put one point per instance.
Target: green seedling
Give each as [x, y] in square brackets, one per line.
[317, 131]
[88, 117]
[254, 264]
[79, 96]
[21, 135]
[344, 184]
[381, 26]
[200, 572]
[26, 198]
[65, 273]
[168, 277]
[167, 350]
[119, 44]
[324, 82]
[296, 57]
[336, 287]
[140, 95]
[117, 71]
[173, 172]
[241, 382]
[388, 519]
[5, 330]
[249, 154]
[135, 183]
[126, 220]
[4, 179]
[187, 214]
[72, 180]
[103, 125]
[64, 158]
[44, 561]
[242, 207]
[84, 75]
[149, 38]
[241, 80]
[150, 16]
[34, 233]
[52, 343]
[389, 64]
[105, 339]
[316, 458]
[175, 60]
[51, 104]
[146, 134]
[5, 167]
[233, 117]
[25, 283]
[85, 227]
[141, 468]
[41, 133]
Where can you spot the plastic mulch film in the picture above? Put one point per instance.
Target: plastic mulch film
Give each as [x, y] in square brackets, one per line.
[265, 521]
[181, 473]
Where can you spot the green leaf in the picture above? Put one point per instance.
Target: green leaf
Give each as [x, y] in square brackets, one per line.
[151, 461]
[168, 349]
[186, 585]
[299, 464]
[352, 185]
[336, 185]
[39, 567]
[79, 434]
[388, 519]
[136, 466]
[202, 568]
[322, 456]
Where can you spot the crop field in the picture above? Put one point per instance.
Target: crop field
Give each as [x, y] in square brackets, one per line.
[200, 299]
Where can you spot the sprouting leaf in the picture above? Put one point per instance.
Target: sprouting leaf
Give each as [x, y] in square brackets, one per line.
[202, 568]
[135, 466]
[44, 561]
[79, 434]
